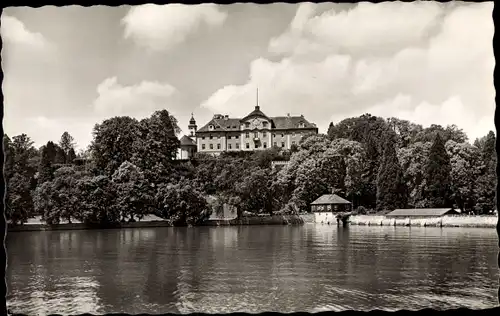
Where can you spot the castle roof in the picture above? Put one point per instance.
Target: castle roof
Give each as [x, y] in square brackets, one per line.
[186, 141]
[225, 124]
[256, 113]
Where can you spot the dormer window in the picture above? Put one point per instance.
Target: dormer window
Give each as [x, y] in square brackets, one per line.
[247, 124]
[264, 124]
[301, 125]
[211, 127]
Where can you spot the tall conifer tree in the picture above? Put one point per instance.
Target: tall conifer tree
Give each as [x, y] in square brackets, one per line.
[391, 192]
[438, 176]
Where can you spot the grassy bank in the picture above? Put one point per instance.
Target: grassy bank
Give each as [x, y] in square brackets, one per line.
[445, 221]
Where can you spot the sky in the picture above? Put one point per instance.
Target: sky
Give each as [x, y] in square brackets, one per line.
[68, 68]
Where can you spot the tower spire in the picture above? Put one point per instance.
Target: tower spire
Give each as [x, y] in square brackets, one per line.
[257, 106]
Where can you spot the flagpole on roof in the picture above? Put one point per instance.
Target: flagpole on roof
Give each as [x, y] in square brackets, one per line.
[257, 96]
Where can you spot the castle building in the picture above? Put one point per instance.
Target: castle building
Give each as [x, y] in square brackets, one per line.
[256, 131]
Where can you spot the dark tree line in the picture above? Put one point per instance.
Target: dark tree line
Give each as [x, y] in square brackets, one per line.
[131, 171]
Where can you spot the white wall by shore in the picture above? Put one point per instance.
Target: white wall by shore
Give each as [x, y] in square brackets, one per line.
[445, 221]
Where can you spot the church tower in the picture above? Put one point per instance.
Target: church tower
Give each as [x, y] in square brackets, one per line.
[192, 128]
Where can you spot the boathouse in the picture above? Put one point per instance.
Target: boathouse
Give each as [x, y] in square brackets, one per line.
[421, 213]
[328, 206]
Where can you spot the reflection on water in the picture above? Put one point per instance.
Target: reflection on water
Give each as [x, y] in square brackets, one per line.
[251, 269]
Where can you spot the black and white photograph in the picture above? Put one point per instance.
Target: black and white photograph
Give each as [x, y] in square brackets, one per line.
[223, 158]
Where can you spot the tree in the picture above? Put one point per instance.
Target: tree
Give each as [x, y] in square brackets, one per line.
[135, 196]
[20, 170]
[59, 199]
[465, 170]
[391, 191]
[451, 132]
[45, 168]
[18, 201]
[354, 157]
[114, 142]
[24, 156]
[254, 192]
[9, 157]
[98, 200]
[60, 157]
[413, 160]
[437, 176]
[51, 151]
[487, 180]
[67, 143]
[405, 131]
[182, 204]
[317, 176]
[71, 155]
[156, 146]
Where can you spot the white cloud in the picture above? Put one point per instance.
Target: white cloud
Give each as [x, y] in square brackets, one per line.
[135, 100]
[383, 27]
[161, 27]
[14, 31]
[430, 63]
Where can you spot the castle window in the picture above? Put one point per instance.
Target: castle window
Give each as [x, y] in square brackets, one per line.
[203, 137]
[247, 124]
[255, 134]
[293, 134]
[229, 146]
[283, 144]
[275, 144]
[211, 127]
[264, 124]
[237, 137]
[264, 134]
[218, 146]
[248, 145]
[274, 135]
[237, 146]
[229, 137]
[301, 124]
[203, 146]
[282, 135]
[211, 146]
[211, 137]
[265, 145]
[247, 135]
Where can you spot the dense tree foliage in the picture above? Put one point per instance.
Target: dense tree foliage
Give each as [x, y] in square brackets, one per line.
[437, 191]
[135, 195]
[391, 189]
[130, 171]
[182, 203]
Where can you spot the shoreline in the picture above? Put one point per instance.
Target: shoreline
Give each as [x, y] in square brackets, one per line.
[245, 221]
[474, 221]
[471, 221]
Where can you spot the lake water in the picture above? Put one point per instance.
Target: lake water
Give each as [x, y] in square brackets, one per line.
[251, 269]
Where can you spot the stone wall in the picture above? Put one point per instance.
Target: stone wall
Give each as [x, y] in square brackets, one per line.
[445, 221]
